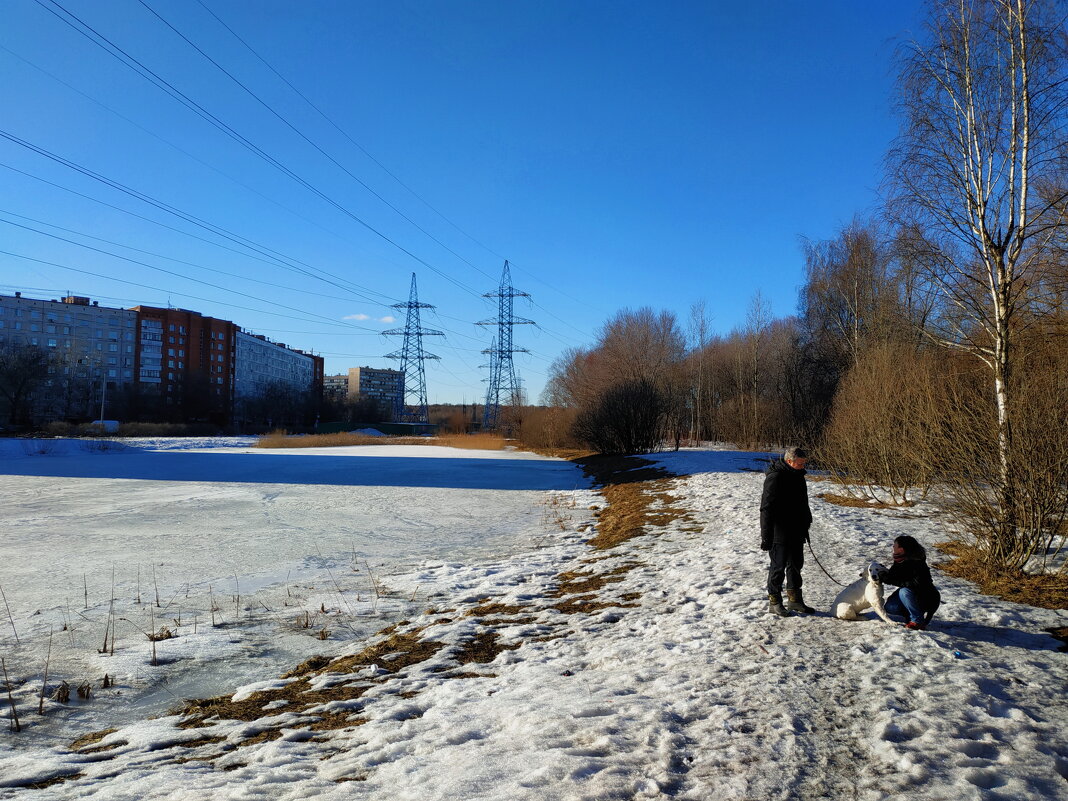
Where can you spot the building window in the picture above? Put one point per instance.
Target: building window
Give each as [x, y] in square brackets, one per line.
[52, 343]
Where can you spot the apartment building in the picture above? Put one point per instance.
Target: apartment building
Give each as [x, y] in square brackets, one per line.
[262, 365]
[336, 387]
[93, 349]
[188, 359]
[197, 366]
[384, 385]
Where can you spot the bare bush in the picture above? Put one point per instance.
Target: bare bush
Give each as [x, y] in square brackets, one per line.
[964, 451]
[627, 418]
[548, 429]
[877, 439]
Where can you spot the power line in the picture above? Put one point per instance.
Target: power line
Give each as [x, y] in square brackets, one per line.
[171, 272]
[150, 253]
[386, 170]
[274, 257]
[307, 139]
[172, 145]
[157, 289]
[156, 80]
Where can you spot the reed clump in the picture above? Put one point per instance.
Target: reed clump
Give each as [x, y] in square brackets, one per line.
[281, 439]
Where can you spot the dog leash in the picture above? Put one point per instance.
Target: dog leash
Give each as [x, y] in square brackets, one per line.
[828, 575]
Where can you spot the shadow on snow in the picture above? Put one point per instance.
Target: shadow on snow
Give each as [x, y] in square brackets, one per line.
[350, 470]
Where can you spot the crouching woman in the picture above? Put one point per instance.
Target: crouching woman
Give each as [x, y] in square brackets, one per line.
[917, 598]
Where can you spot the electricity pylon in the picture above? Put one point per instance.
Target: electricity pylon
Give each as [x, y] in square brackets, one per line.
[491, 418]
[409, 405]
[504, 385]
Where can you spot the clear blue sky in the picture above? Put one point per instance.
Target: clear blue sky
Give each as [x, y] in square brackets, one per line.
[620, 154]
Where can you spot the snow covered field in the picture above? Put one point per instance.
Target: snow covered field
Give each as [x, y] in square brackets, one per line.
[683, 688]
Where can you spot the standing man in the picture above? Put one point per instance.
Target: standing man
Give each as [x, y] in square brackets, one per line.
[785, 518]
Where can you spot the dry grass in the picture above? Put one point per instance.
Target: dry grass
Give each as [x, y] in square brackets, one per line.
[632, 488]
[41, 785]
[485, 609]
[402, 650]
[582, 582]
[482, 648]
[1041, 590]
[280, 439]
[587, 604]
[91, 738]
[476, 442]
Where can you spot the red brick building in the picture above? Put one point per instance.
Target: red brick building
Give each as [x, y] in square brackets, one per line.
[190, 358]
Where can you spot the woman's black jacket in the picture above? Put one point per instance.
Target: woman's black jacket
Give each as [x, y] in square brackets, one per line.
[916, 576]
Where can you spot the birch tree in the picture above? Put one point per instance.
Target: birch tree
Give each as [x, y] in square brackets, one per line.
[983, 140]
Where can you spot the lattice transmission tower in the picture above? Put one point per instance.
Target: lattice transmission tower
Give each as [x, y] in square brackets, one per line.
[409, 405]
[504, 385]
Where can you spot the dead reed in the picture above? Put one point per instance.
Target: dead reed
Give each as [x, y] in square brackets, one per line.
[11, 620]
[280, 439]
[10, 698]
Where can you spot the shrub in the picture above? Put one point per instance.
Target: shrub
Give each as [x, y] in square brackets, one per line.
[878, 438]
[59, 428]
[625, 418]
[548, 429]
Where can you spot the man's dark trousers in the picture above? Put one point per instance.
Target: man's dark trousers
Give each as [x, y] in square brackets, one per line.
[787, 559]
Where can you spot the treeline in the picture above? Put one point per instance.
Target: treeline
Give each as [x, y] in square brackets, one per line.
[928, 350]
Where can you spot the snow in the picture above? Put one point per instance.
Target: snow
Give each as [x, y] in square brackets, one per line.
[683, 689]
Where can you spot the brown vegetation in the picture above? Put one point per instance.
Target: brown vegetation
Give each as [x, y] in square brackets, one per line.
[1048, 591]
[281, 439]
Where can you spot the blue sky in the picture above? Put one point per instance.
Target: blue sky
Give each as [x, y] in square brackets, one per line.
[618, 154]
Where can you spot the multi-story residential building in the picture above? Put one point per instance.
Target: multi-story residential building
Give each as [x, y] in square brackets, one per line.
[188, 359]
[200, 367]
[336, 387]
[267, 370]
[383, 385]
[93, 351]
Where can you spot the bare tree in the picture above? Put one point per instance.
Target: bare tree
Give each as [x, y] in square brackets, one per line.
[23, 370]
[697, 368]
[984, 109]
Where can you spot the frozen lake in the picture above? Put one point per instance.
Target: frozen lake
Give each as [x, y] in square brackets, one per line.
[283, 544]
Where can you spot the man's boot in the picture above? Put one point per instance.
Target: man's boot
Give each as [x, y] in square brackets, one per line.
[775, 606]
[795, 603]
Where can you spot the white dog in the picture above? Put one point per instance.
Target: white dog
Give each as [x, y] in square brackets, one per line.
[864, 594]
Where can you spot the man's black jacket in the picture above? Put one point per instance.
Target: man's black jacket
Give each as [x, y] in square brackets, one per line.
[784, 513]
